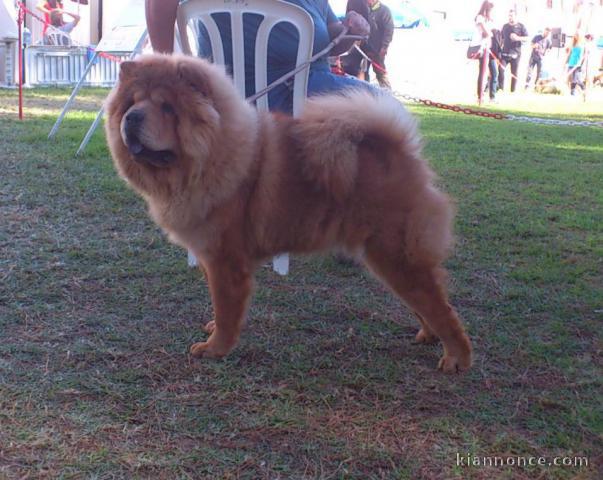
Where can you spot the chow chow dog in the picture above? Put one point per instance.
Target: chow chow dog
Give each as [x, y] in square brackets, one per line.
[236, 186]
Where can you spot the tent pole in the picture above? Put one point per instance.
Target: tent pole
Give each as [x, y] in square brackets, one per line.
[20, 18]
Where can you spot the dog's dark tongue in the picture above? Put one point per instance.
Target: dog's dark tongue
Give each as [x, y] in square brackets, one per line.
[135, 147]
[161, 159]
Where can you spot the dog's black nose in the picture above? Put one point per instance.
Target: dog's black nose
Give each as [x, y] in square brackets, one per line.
[134, 119]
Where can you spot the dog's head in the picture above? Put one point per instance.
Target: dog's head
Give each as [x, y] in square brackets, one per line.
[163, 119]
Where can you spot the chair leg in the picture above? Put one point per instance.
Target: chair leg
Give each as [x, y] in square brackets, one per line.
[192, 260]
[280, 264]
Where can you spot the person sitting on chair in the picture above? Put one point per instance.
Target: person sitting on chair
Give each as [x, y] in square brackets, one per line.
[282, 51]
[46, 7]
[62, 36]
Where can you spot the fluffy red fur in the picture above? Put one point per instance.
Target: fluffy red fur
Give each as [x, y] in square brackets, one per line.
[236, 187]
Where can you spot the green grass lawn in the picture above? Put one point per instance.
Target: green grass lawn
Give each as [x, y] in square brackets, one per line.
[97, 311]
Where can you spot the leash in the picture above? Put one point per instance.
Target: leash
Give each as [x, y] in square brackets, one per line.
[500, 64]
[375, 65]
[342, 36]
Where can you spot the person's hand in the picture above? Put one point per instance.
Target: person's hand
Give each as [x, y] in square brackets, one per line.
[383, 52]
[356, 23]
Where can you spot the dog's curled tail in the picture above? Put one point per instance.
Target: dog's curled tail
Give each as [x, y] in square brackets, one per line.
[332, 127]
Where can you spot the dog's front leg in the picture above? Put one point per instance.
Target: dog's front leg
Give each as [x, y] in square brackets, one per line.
[230, 285]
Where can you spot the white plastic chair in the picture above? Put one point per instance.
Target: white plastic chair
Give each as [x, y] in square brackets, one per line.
[58, 38]
[273, 13]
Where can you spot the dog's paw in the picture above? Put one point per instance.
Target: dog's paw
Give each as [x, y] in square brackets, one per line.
[209, 327]
[207, 350]
[452, 364]
[425, 337]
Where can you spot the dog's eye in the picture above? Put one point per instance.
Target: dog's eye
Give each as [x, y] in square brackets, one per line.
[167, 108]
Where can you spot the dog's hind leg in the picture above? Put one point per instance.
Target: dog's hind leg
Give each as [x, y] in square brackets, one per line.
[230, 285]
[422, 288]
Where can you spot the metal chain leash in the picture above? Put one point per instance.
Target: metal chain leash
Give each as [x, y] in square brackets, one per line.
[499, 116]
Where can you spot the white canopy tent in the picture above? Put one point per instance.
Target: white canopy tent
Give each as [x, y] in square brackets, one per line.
[8, 20]
[8, 38]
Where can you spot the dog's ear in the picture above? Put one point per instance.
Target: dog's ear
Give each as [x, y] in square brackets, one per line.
[194, 76]
[127, 69]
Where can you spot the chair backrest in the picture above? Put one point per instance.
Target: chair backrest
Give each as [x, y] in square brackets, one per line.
[272, 13]
[58, 38]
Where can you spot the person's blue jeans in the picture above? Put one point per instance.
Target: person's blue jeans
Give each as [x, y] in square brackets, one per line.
[534, 62]
[492, 79]
[576, 79]
[493, 82]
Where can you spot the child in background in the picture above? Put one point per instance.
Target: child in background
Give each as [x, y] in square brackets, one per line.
[575, 59]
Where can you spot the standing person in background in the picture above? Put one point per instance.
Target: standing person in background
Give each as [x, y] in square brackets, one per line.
[353, 63]
[382, 32]
[575, 60]
[589, 71]
[482, 38]
[493, 59]
[358, 6]
[540, 45]
[513, 33]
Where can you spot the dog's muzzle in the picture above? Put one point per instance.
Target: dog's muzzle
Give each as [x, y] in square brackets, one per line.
[130, 130]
